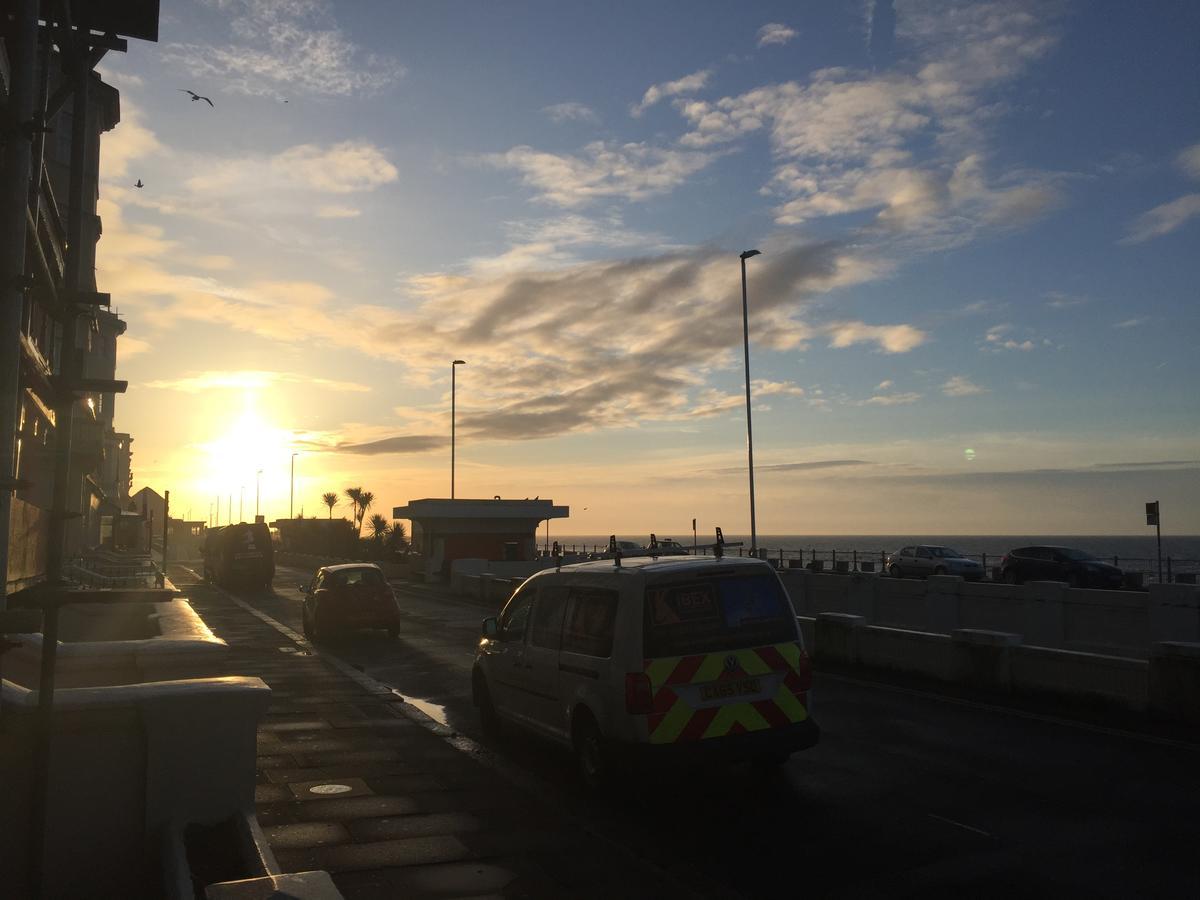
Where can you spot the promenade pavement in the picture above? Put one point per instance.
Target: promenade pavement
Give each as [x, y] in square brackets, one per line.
[352, 781]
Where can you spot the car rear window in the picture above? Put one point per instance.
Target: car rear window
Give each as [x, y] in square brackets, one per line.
[713, 614]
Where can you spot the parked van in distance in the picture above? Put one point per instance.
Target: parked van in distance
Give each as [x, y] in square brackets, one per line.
[239, 555]
[650, 658]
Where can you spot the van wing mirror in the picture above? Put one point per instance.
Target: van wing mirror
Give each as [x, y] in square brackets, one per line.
[490, 627]
[302, 588]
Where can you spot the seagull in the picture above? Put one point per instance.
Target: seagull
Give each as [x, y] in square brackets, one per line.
[195, 96]
[138, 184]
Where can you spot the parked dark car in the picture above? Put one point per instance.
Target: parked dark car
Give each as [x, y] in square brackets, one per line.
[1078, 568]
[240, 555]
[349, 596]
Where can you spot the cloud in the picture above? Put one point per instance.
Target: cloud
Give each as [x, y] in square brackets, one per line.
[129, 141]
[997, 340]
[688, 84]
[775, 33]
[337, 212]
[571, 111]
[888, 338]
[282, 48]
[845, 141]
[129, 347]
[344, 168]
[884, 385]
[795, 466]
[249, 380]
[408, 443]
[892, 399]
[1060, 300]
[1162, 219]
[1188, 161]
[1130, 323]
[632, 171]
[961, 386]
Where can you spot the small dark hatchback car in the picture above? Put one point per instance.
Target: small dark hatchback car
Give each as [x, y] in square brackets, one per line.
[1078, 568]
[349, 596]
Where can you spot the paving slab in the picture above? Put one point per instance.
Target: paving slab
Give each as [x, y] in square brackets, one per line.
[397, 810]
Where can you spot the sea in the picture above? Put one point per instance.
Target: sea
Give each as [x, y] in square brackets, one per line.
[1137, 552]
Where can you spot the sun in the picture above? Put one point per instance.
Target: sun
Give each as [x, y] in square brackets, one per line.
[250, 444]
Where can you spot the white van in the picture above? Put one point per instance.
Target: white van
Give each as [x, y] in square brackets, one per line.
[650, 657]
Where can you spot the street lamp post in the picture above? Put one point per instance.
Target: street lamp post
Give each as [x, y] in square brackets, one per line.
[292, 490]
[749, 427]
[257, 491]
[241, 503]
[453, 391]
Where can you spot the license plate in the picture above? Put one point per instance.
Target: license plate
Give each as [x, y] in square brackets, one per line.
[719, 690]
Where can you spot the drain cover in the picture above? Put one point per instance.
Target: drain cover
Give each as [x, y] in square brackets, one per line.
[330, 789]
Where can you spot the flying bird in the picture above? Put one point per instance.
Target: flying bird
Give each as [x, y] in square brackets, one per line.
[195, 96]
[138, 184]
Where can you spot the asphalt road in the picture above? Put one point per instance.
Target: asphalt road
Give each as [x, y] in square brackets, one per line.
[908, 793]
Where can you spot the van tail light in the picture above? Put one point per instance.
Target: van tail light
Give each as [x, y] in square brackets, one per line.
[639, 698]
[1004, 559]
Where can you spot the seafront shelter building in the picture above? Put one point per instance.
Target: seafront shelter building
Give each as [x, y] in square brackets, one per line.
[494, 530]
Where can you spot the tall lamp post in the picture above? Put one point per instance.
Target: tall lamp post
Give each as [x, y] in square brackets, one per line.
[292, 490]
[453, 392]
[257, 491]
[749, 427]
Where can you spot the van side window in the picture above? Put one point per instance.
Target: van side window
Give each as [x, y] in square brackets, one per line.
[590, 616]
[547, 623]
[516, 615]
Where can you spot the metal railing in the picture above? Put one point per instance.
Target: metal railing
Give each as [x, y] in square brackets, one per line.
[869, 561]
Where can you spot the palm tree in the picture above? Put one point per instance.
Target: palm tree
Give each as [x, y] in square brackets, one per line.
[354, 494]
[397, 536]
[365, 499]
[331, 500]
[379, 527]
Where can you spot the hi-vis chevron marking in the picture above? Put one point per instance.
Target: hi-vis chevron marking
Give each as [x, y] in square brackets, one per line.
[674, 720]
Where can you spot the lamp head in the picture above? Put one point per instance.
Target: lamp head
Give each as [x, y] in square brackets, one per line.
[746, 254]
[459, 362]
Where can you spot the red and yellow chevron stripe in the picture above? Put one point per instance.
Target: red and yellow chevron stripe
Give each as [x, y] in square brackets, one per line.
[675, 720]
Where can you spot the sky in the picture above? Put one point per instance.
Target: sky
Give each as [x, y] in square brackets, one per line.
[975, 310]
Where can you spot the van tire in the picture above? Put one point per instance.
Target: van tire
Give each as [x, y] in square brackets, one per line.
[488, 717]
[591, 752]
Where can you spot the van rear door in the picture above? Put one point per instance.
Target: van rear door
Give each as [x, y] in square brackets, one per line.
[723, 656]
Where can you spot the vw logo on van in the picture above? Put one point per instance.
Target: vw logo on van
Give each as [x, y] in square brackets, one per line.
[731, 663]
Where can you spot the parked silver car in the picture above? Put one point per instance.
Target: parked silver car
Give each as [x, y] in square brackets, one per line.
[923, 560]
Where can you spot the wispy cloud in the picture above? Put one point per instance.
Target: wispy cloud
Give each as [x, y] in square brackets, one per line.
[1130, 323]
[631, 171]
[774, 34]
[249, 380]
[571, 111]
[808, 466]
[961, 386]
[344, 168]
[888, 338]
[999, 337]
[688, 84]
[846, 140]
[282, 48]
[892, 399]
[1060, 300]
[1163, 219]
[1188, 161]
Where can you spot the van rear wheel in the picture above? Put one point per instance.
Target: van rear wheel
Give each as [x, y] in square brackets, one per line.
[591, 754]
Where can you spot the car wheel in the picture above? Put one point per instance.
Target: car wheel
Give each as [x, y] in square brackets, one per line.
[393, 632]
[894, 571]
[309, 631]
[591, 754]
[1010, 577]
[940, 570]
[488, 717]
[1074, 581]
